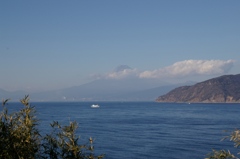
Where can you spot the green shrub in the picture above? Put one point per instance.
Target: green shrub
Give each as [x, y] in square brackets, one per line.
[226, 154]
[20, 138]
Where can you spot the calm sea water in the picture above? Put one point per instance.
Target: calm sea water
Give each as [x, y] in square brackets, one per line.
[142, 130]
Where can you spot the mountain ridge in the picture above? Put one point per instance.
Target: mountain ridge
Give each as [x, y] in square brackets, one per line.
[223, 89]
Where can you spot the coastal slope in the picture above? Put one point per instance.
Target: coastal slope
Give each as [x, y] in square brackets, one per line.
[223, 89]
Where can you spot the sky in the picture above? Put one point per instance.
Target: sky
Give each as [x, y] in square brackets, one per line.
[48, 45]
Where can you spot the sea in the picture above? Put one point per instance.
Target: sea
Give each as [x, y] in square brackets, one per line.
[143, 130]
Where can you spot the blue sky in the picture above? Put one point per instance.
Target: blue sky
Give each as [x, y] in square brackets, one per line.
[47, 45]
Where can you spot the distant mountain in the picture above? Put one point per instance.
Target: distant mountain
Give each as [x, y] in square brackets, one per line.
[14, 96]
[121, 84]
[101, 90]
[122, 68]
[148, 94]
[224, 89]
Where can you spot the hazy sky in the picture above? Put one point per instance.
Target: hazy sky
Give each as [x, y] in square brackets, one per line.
[51, 44]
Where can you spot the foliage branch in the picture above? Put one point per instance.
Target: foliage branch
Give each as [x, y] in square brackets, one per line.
[20, 137]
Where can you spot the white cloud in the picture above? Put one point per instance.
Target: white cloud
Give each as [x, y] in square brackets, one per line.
[125, 73]
[190, 67]
[179, 69]
[120, 72]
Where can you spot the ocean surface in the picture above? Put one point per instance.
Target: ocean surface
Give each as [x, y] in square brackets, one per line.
[143, 130]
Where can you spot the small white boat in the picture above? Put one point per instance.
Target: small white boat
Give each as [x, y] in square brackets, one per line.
[95, 106]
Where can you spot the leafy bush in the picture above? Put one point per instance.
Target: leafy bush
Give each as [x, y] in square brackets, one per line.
[224, 154]
[20, 138]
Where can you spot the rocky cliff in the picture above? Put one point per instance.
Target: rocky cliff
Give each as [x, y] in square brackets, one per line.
[224, 89]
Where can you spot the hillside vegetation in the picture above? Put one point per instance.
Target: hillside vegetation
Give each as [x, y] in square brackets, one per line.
[224, 89]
